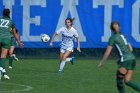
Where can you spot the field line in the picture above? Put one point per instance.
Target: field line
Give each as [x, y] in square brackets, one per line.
[26, 87]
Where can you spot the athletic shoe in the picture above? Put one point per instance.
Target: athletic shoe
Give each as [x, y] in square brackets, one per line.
[73, 60]
[15, 58]
[10, 67]
[6, 77]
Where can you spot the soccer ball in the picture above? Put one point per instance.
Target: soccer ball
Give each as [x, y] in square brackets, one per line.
[45, 38]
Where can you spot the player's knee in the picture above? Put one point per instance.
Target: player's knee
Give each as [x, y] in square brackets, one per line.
[64, 57]
[122, 71]
[120, 75]
[3, 56]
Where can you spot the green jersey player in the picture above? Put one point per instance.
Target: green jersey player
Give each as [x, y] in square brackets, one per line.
[6, 24]
[127, 62]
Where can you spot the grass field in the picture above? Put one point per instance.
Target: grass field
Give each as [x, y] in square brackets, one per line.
[40, 76]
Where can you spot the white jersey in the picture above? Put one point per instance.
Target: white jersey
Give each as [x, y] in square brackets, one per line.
[67, 36]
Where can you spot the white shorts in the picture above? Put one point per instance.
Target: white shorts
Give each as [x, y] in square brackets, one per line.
[63, 49]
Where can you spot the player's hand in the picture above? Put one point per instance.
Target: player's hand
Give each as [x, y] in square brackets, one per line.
[100, 65]
[51, 44]
[20, 44]
[78, 49]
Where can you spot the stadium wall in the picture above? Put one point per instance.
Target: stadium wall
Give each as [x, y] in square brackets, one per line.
[92, 19]
[53, 53]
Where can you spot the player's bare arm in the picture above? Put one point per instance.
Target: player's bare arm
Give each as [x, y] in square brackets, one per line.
[130, 47]
[78, 42]
[106, 55]
[54, 35]
[17, 38]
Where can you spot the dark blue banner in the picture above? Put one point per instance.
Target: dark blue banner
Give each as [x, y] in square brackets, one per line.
[92, 20]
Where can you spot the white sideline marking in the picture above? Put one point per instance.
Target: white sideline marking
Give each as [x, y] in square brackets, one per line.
[26, 88]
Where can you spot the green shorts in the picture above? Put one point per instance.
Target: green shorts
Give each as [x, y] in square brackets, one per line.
[13, 41]
[129, 64]
[5, 43]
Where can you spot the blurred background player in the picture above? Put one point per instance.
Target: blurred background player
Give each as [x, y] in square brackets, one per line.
[6, 24]
[68, 34]
[11, 50]
[127, 61]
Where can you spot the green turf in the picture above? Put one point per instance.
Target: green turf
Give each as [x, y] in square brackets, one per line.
[83, 77]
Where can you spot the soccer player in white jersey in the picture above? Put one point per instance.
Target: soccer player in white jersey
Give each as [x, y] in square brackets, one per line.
[68, 34]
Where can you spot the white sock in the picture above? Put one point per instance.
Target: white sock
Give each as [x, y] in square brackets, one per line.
[3, 71]
[62, 64]
[68, 59]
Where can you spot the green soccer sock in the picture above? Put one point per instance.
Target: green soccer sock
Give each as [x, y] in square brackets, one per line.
[2, 60]
[1, 68]
[120, 85]
[120, 82]
[0, 63]
[11, 61]
[134, 86]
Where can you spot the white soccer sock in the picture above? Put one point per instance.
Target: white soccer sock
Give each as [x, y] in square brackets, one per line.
[62, 64]
[3, 71]
[68, 59]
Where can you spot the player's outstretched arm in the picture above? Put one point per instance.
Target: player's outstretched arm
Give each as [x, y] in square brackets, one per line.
[78, 42]
[106, 55]
[130, 47]
[54, 35]
[17, 38]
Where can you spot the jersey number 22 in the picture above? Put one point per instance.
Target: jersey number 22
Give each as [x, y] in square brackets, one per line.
[4, 23]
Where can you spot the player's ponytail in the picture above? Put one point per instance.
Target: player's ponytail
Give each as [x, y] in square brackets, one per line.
[73, 19]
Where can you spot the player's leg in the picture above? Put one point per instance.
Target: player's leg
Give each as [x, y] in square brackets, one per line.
[120, 79]
[62, 51]
[3, 57]
[61, 56]
[13, 43]
[2, 60]
[15, 57]
[72, 58]
[128, 82]
[68, 59]
[11, 58]
[63, 61]
[5, 47]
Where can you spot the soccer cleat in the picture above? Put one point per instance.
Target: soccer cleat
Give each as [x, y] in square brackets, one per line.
[59, 73]
[73, 60]
[6, 77]
[15, 58]
[10, 67]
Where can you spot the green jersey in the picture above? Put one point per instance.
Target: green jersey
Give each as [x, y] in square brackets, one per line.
[12, 36]
[121, 44]
[6, 24]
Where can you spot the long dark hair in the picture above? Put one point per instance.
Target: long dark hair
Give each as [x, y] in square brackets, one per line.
[6, 12]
